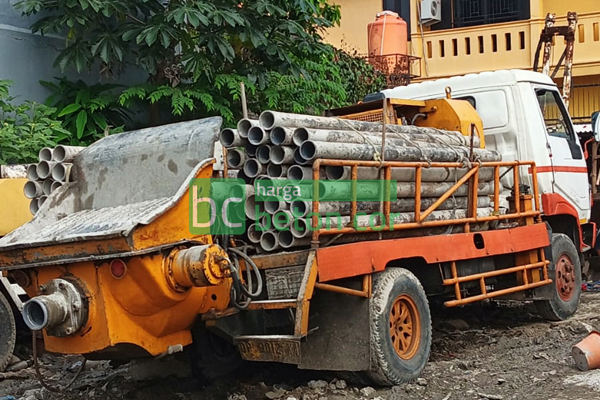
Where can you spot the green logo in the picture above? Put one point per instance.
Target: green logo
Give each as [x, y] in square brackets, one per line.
[217, 206]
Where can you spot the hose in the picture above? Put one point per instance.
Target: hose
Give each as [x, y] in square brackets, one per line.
[242, 295]
[55, 389]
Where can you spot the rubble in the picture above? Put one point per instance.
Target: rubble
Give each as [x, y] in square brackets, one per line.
[515, 355]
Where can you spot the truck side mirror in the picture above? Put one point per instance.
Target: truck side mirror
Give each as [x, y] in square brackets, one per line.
[596, 125]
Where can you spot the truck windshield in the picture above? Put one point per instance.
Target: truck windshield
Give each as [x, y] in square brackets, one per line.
[554, 113]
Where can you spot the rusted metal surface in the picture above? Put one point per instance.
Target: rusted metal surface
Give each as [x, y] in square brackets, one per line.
[274, 348]
[398, 69]
[364, 292]
[60, 310]
[268, 261]
[568, 58]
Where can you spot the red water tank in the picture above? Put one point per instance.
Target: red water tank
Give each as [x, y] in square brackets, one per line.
[388, 34]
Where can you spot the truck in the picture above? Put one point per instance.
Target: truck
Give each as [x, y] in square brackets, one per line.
[14, 211]
[114, 271]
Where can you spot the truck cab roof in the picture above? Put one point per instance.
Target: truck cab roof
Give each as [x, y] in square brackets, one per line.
[429, 89]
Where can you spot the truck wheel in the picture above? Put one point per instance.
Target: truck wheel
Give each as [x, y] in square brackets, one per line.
[400, 327]
[566, 265]
[8, 332]
[212, 356]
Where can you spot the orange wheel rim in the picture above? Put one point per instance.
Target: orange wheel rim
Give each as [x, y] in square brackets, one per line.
[565, 277]
[405, 327]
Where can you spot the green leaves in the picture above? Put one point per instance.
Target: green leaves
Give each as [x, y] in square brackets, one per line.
[80, 122]
[25, 128]
[87, 111]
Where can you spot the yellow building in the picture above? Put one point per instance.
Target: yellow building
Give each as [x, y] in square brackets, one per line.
[483, 35]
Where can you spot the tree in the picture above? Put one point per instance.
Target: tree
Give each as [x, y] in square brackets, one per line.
[196, 52]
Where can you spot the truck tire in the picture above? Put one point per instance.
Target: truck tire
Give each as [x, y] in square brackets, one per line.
[8, 332]
[212, 356]
[566, 265]
[400, 328]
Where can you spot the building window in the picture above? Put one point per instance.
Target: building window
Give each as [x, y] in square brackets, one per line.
[402, 7]
[463, 13]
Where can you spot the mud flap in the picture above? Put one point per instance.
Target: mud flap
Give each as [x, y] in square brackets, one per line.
[339, 334]
[545, 292]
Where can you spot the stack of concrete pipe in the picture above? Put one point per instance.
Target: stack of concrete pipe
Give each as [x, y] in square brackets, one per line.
[284, 146]
[51, 172]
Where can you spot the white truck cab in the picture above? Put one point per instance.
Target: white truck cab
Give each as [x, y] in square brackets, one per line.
[524, 118]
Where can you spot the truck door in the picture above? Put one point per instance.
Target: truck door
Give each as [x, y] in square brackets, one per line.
[569, 170]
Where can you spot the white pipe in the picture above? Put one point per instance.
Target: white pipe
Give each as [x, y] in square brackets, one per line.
[244, 125]
[44, 169]
[298, 173]
[253, 168]
[33, 189]
[62, 172]
[66, 153]
[298, 159]
[32, 172]
[269, 241]
[281, 136]
[250, 149]
[45, 154]
[235, 158]
[33, 206]
[282, 155]
[55, 186]
[254, 234]
[47, 186]
[257, 136]
[277, 171]
[41, 200]
[263, 153]
[287, 240]
[230, 138]
[299, 228]
[282, 220]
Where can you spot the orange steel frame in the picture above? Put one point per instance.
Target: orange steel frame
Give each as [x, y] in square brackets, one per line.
[530, 274]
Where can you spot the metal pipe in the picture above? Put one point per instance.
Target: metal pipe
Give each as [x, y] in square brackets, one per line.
[299, 228]
[347, 151]
[33, 189]
[41, 200]
[66, 153]
[45, 154]
[230, 138]
[332, 190]
[253, 168]
[277, 170]
[47, 186]
[33, 206]
[281, 136]
[272, 206]
[287, 240]
[270, 119]
[55, 186]
[62, 172]
[280, 224]
[254, 234]
[242, 175]
[298, 159]
[32, 172]
[257, 136]
[282, 155]
[298, 173]
[263, 153]
[244, 125]
[408, 174]
[44, 169]
[301, 208]
[235, 158]
[424, 138]
[43, 312]
[373, 220]
[250, 149]
[269, 241]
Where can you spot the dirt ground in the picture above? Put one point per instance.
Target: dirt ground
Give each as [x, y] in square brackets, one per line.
[480, 352]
